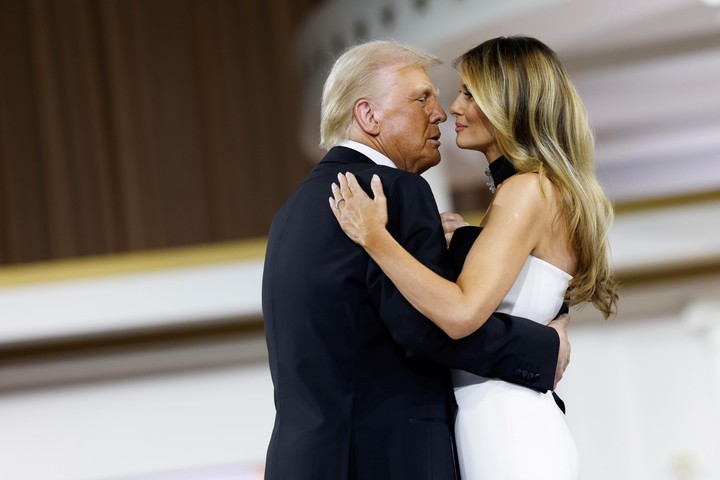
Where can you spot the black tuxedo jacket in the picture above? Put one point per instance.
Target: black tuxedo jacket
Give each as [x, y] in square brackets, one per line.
[362, 389]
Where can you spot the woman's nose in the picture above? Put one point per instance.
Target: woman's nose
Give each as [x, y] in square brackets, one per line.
[454, 109]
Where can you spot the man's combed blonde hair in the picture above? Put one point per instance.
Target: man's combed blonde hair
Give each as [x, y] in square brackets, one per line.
[353, 77]
[541, 125]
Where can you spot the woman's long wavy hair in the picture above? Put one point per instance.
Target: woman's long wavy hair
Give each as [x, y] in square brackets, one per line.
[541, 125]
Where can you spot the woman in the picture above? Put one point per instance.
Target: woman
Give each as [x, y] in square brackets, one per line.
[544, 241]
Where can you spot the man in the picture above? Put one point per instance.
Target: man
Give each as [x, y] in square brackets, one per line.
[362, 389]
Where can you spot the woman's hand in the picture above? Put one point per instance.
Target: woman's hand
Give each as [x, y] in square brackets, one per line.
[451, 222]
[359, 216]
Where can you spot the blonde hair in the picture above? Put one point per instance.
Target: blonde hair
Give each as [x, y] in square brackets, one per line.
[541, 126]
[354, 77]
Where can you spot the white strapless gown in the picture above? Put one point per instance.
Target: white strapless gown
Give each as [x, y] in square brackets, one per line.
[507, 432]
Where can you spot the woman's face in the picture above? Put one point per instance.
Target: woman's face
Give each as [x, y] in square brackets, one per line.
[472, 127]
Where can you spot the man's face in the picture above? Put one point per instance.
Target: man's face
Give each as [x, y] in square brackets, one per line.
[409, 115]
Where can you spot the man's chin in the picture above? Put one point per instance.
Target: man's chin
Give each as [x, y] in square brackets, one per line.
[427, 165]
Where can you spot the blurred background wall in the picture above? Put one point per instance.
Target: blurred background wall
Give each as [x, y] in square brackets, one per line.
[145, 145]
[135, 125]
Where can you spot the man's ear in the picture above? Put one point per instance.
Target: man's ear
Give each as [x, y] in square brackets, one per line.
[366, 116]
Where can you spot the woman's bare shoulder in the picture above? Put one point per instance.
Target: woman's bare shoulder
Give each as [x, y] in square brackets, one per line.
[522, 188]
[535, 195]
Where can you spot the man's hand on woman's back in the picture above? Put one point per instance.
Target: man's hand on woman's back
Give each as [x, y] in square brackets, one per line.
[560, 324]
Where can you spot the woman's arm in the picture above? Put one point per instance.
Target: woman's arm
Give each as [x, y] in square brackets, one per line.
[504, 347]
[511, 231]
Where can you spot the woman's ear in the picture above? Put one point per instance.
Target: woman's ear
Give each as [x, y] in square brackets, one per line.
[366, 116]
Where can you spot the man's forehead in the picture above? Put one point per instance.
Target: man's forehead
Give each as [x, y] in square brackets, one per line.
[417, 76]
[426, 86]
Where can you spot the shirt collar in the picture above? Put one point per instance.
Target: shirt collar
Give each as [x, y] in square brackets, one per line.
[369, 152]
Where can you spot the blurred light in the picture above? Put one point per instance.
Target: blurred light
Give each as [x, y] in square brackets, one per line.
[711, 3]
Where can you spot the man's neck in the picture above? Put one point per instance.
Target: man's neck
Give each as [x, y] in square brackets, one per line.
[369, 151]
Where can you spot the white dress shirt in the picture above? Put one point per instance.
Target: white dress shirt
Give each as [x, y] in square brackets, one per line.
[369, 152]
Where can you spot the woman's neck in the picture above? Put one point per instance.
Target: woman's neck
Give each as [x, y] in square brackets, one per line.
[491, 156]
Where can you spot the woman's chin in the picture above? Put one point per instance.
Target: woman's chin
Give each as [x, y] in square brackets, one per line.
[465, 145]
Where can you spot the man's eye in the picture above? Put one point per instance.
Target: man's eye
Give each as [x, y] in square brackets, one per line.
[422, 99]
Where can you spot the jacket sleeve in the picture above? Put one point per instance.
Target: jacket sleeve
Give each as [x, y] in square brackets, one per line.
[510, 348]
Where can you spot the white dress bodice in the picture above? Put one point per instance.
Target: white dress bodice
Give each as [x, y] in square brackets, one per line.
[505, 431]
[538, 291]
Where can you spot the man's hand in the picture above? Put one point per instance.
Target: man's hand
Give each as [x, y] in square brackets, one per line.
[451, 222]
[560, 324]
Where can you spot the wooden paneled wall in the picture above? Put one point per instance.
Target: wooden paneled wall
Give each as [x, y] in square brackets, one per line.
[141, 124]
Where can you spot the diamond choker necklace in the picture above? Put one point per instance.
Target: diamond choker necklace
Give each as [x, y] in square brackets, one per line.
[498, 171]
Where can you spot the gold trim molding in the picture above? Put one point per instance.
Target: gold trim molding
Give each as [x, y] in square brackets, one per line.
[667, 202]
[254, 249]
[127, 263]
